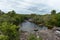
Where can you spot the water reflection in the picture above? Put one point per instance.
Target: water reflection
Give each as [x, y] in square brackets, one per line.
[28, 26]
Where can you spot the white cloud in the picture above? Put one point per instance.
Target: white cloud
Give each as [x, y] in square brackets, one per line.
[24, 5]
[54, 4]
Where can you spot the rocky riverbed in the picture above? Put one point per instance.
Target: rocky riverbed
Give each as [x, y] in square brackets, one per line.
[49, 35]
[45, 34]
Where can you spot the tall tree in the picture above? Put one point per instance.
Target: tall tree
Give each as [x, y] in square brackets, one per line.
[11, 13]
[53, 12]
[1, 12]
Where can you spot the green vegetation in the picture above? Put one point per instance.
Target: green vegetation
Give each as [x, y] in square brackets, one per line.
[48, 20]
[33, 37]
[3, 37]
[9, 29]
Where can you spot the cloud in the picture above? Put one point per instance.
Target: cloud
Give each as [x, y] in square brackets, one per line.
[30, 6]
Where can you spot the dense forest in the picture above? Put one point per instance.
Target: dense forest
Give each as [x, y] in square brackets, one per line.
[9, 23]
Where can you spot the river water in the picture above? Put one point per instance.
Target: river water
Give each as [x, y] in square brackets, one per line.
[29, 26]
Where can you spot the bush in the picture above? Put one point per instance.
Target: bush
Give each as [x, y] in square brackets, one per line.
[33, 37]
[10, 30]
[3, 37]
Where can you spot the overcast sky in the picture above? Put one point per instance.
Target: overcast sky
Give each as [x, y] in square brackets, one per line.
[30, 6]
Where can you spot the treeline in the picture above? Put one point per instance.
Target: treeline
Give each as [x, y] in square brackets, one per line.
[48, 20]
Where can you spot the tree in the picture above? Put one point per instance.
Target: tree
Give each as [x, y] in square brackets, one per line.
[53, 12]
[11, 13]
[1, 12]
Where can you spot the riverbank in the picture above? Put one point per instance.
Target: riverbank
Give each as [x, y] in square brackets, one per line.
[44, 34]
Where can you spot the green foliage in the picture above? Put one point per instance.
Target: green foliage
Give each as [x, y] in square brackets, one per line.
[58, 20]
[3, 37]
[9, 23]
[53, 12]
[33, 37]
[1, 12]
[11, 13]
[10, 30]
[12, 17]
[48, 20]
